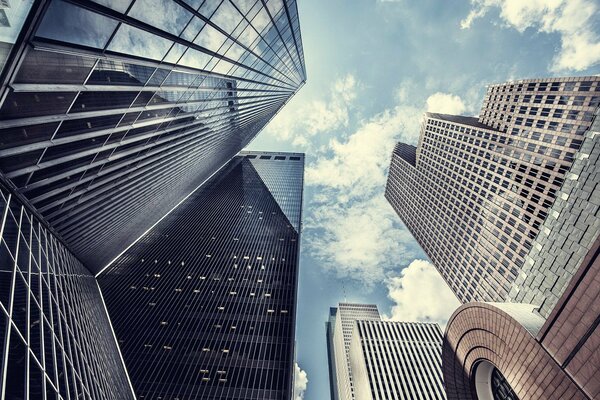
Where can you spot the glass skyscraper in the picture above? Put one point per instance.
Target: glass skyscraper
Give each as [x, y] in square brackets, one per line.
[111, 113]
[55, 335]
[475, 191]
[203, 305]
[113, 110]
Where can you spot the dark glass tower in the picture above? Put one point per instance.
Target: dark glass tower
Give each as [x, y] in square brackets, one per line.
[113, 110]
[203, 305]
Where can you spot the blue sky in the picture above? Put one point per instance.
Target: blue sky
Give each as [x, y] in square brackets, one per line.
[374, 67]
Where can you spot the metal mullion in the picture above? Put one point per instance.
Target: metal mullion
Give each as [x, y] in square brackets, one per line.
[64, 339]
[82, 168]
[28, 316]
[50, 318]
[223, 32]
[397, 357]
[287, 12]
[49, 45]
[8, 313]
[41, 306]
[73, 328]
[156, 189]
[54, 298]
[274, 24]
[260, 36]
[105, 171]
[116, 145]
[16, 122]
[66, 87]
[107, 12]
[189, 142]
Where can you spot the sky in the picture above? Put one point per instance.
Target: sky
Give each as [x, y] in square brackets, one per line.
[374, 67]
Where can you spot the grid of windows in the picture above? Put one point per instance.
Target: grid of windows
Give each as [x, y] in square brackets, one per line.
[207, 297]
[397, 360]
[339, 336]
[495, 178]
[56, 337]
[104, 95]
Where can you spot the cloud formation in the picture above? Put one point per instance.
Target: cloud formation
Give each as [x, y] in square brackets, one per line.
[445, 103]
[571, 19]
[301, 123]
[300, 382]
[420, 294]
[358, 239]
[351, 229]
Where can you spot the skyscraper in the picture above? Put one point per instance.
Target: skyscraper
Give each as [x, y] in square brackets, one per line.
[113, 111]
[208, 296]
[370, 359]
[397, 360]
[339, 330]
[546, 346]
[475, 191]
[55, 335]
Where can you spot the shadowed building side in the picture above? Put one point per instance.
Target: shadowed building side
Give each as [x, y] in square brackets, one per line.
[208, 296]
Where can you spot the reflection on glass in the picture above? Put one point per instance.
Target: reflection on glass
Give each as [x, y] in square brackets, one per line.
[11, 21]
[227, 17]
[210, 38]
[171, 17]
[140, 43]
[117, 5]
[68, 23]
[195, 59]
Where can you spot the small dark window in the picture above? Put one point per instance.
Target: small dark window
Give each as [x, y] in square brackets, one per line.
[265, 157]
[279, 157]
[295, 158]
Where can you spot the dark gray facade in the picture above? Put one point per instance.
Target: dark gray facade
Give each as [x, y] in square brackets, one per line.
[494, 179]
[113, 111]
[207, 298]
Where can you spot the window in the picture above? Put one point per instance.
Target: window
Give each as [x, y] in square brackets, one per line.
[68, 23]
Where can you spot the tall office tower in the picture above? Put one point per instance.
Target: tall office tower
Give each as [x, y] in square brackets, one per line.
[515, 351]
[339, 330]
[203, 305]
[475, 191]
[397, 360]
[112, 111]
[55, 335]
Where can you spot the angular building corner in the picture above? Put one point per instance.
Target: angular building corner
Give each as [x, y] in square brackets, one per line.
[374, 359]
[495, 178]
[111, 113]
[514, 230]
[551, 349]
[208, 296]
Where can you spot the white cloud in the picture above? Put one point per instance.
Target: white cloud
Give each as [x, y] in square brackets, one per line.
[300, 123]
[300, 382]
[420, 294]
[352, 230]
[359, 238]
[445, 103]
[571, 19]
